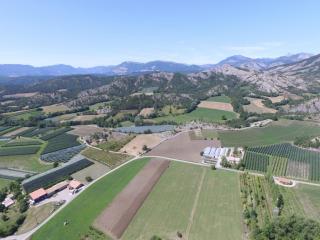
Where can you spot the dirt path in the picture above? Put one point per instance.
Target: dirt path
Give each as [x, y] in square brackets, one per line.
[195, 204]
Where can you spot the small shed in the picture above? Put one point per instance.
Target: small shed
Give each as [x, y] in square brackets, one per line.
[285, 181]
[74, 184]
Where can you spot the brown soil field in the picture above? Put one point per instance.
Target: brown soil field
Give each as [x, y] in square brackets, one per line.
[134, 147]
[183, 148]
[216, 105]
[86, 117]
[21, 95]
[117, 216]
[146, 112]
[15, 132]
[85, 130]
[276, 99]
[55, 108]
[257, 106]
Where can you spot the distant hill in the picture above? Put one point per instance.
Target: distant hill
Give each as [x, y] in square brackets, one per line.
[125, 68]
[262, 63]
[302, 75]
[16, 70]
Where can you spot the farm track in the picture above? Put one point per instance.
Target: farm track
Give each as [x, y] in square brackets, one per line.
[195, 204]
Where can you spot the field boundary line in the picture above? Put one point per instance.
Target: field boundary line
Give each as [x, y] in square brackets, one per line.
[195, 204]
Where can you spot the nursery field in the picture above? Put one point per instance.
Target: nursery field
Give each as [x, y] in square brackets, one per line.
[284, 160]
[60, 142]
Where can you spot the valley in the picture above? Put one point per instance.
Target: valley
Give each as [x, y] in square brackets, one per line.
[73, 142]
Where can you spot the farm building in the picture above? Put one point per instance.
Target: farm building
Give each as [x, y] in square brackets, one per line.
[284, 181]
[73, 185]
[212, 154]
[57, 188]
[54, 175]
[8, 201]
[38, 195]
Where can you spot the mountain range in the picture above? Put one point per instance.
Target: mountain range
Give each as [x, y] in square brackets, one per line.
[17, 70]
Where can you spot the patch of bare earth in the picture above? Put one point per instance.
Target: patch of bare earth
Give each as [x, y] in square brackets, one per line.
[86, 130]
[135, 146]
[257, 106]
[183, 148]
[114, 220]
[21, 95]
[216, 105]
[55, 108]
[276, 99]
[87, 117]
[16, 132]
[146, 112]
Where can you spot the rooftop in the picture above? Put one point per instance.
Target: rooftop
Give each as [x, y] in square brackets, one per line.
[38, 193]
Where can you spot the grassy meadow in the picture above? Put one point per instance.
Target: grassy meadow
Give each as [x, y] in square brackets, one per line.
[277, 132]
[186, 199]
[200, 114]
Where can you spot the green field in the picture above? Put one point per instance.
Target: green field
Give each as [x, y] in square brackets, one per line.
[200, 114]
[4, 182]
[308, 198]
[222, 98]
[25, 115]
[205, 134]
[110, 159]
[171, 109]
[99, 105]
[115, 144]
[83, 210]
[7, 130]
[277, 132]
[184, 191]
[22, 142]
[24, 162]
[19, 150]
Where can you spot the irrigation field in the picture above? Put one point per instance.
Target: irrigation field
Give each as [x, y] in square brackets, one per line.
[284, 160]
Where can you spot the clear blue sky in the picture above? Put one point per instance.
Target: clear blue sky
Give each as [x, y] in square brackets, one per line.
[103, 32]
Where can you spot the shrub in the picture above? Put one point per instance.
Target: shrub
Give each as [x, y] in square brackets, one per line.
[89, 179]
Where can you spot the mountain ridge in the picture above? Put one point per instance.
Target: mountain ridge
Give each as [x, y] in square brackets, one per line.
[129, 67]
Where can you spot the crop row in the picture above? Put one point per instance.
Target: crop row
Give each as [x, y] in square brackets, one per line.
[256, 161]
[63, 155]
[60, 142]
[301, 163]
[22, 150]
[55, 133]
[22, 143]
[32, 132]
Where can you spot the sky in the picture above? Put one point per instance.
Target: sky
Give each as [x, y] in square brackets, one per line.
[104, 32]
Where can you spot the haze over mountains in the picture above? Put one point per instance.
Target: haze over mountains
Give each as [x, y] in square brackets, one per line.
[16, 70]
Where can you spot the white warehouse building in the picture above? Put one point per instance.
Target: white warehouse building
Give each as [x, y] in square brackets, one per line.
[212, 154]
